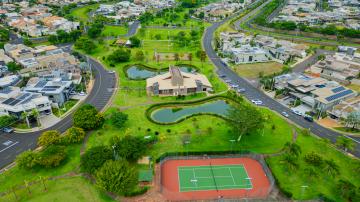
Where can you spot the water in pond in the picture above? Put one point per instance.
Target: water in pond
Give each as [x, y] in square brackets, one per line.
[140, 72]
[169, 115]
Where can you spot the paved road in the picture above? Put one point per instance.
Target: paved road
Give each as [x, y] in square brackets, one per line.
[13, 144]
[254, 93]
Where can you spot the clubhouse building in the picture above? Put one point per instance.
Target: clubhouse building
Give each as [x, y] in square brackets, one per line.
[175, 82]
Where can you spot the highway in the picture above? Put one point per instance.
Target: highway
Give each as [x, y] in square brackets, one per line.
[254, 93]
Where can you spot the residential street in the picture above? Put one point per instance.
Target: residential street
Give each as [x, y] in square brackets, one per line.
[254, 93]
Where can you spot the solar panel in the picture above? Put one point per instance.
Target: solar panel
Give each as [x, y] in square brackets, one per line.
[338, 89]
[14, 102]
[40, 84]
[23, 96]
[8, 101]
[5, 90]
[339, 95]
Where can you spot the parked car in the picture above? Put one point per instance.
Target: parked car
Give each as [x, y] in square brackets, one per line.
[7, 130]
[112, 72]
[296, 112]
[308, 118]
[73, 93]
[285, 114]
[234, 86]
[82, 93]
[227, 81]
[222, 76]
[241, 90]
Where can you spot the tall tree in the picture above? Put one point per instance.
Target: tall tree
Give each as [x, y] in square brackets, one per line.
[245, 119]
[87, 117]
[117, 176]
[331, 168]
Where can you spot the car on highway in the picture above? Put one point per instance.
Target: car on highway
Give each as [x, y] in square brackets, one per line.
[7, 130]
[257, 101]
[285, 114]
[296, 112]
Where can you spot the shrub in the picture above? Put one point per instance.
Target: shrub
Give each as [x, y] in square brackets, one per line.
[27, 159]
[137, 191]
[118, 119]
[117, 176]
[48, 138]
[87, 117]
[94, 158]
[73, 135]
[52, 156]
[313, 159]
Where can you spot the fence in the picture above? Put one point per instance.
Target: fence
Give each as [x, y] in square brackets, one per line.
[260, 191]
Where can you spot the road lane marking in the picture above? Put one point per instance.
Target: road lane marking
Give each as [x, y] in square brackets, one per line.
[9, 146]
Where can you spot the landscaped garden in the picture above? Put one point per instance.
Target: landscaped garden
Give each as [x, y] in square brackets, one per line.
[137, 125]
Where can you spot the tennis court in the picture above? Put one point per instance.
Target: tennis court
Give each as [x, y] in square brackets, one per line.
[213, 177]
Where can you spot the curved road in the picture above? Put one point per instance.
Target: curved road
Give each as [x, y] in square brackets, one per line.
[102, 91]
[104, 86]
[254, 93]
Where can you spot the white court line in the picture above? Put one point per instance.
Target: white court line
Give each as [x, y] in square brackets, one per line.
[195, 177]
[9, 146]
[248, 178]
[232, 177]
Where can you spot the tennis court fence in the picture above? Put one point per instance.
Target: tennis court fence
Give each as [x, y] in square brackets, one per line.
[213, 155]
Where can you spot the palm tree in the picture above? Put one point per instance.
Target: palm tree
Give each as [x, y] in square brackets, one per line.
[36, 114]
[25, 116]
[311, 172]
[345, 143]
[331, 168]
[292, 149]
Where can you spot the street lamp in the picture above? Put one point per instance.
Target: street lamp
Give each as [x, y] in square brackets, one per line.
[114, 146]
[187, 151]
[232, 144]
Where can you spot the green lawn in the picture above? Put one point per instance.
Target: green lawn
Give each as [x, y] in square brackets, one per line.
[354, 87]
[16, 175]
[67, 189]
[253, 71]
[115, 31]
[292, 180]
[81, 13]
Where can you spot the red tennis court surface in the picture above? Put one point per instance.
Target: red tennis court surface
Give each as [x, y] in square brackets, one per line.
[171, 188]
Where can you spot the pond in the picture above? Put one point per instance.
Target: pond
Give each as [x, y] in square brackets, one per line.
[173, 114]
[140, 72]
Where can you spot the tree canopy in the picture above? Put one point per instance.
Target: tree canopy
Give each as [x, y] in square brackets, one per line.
[120, 55]
[94, 158]
[118, 119]
[48, 138]
[87, 117]
[117, 176]
[129, 147]
[245, 119]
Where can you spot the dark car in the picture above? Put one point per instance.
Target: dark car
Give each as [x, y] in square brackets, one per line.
[7, 130]
[309, 118]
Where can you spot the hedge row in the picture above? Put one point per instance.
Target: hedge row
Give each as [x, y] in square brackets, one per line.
[199, 153]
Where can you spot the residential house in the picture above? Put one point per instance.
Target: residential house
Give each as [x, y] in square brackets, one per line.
[249, 54]
[345, 107]
[57, 90]
[175, 82]
[14, 102]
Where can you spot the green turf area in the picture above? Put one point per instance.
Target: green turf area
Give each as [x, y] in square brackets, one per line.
[81, 13]
[74, 189]
[213, 177]
[110, 30]
[253, 71]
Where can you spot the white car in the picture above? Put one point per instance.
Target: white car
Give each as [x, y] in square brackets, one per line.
[257, 101]
[296, 112]
[285, 114]
[241, 90]
[72, 93]
[112, 72]
[82, 93]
